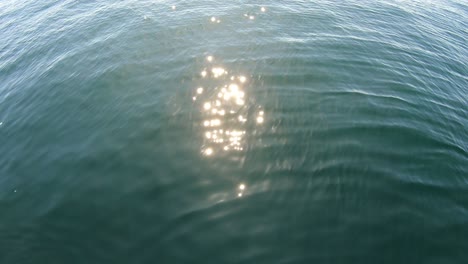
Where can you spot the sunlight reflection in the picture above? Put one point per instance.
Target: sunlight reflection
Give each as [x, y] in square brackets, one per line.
[224, 110]
[208, 151]
[217, 72]
[241, 190]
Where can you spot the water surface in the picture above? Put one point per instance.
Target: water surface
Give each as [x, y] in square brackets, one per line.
[233, 131]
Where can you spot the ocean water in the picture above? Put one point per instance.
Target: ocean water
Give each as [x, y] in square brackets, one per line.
[233, 131]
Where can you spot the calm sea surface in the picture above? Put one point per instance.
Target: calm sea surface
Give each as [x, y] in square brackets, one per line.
[233, 131]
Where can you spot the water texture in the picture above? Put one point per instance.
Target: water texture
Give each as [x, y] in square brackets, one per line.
[233, 131]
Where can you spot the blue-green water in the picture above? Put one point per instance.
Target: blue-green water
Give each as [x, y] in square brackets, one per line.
[221, 132]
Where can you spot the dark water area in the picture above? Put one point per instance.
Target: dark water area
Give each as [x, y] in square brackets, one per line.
[233, 131]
